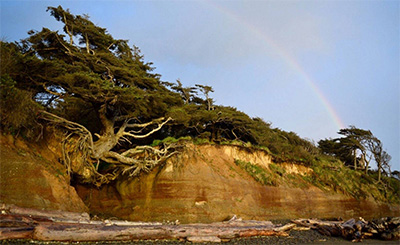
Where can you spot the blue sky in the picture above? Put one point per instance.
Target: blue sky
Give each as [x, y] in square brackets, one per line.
[302, 65]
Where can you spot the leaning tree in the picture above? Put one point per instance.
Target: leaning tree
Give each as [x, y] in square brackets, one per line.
[358, 140]
[99, 90]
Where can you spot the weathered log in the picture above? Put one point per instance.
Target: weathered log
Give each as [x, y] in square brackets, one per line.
[16, 232]
[20, 223]
[251, 233]
[286, 227]
[7, 220]
[96, 232]
[315, 222]
[55, 215]
[202, 239]
[301, 228]
[87, 232]
[385, 228]
[41, 225]
[16, 227]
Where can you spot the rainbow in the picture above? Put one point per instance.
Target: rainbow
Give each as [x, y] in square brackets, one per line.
[289, 60]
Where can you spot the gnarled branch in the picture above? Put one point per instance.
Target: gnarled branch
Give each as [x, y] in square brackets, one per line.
[140, 159]
[133, 134]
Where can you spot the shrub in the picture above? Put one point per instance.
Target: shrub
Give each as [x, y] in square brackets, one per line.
[169, 140]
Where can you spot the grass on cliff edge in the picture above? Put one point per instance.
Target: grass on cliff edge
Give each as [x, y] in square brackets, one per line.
[328, 175]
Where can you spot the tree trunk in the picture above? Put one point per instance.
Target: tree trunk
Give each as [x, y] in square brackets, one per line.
[366, 164]
[355, 159]
[379, 171]
[103, 145]
[108, 139]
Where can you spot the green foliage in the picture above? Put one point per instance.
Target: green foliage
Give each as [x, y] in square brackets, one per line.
[170, 140]
[277, 169]
[393, 185]
[100, 73]
[258, 173]
[201, 141]
[233, 142]
[331, 175]
[226, 125]
[357, 148]
[17, 110]
[102, 76]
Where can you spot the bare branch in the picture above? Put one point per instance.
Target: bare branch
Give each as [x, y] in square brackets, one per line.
[51, 92]
[71, 42]
[143, 125]
[58, 38]
[136, 136]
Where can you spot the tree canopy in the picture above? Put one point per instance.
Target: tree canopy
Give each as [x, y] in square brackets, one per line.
[112, 105]
[99, 83]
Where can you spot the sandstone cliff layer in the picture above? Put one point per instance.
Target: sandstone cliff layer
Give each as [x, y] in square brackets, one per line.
[32, 177]
[204, 184]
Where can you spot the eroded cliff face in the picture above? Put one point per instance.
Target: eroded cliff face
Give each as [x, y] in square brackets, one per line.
[203, 184]
[32, 177]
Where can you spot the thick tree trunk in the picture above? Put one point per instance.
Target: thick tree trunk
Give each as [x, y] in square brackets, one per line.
[108, 139]
[105, 144]
[84, 154]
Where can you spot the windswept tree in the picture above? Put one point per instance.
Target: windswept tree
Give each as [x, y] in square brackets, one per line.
[357, 148]
[206, 90]
[187, 93]
[122, 98]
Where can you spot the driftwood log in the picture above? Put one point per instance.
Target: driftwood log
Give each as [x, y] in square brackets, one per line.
[356, 230]
[19, 223]
[23, 223]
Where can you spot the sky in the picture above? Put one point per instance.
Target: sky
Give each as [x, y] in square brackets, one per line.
[311, 67]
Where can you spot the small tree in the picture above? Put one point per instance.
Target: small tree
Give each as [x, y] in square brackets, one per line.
[186, 92]
[206, 90]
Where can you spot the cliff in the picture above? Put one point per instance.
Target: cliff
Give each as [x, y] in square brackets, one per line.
[205, 183]
[32, 177]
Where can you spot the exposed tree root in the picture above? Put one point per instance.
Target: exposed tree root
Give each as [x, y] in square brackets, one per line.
[140, 159]
[82, 156]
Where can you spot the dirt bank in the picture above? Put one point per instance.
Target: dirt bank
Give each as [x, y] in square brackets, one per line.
[204, 184]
